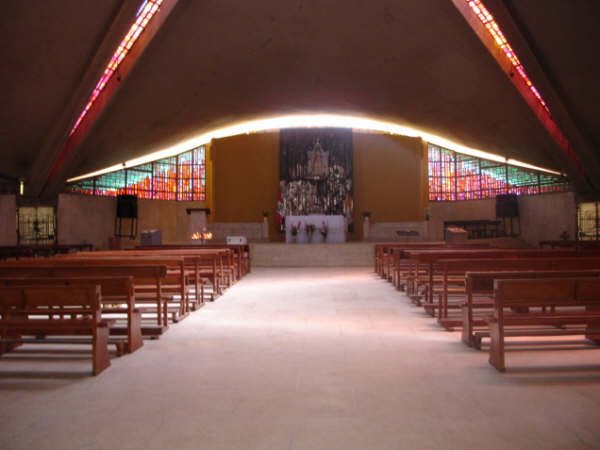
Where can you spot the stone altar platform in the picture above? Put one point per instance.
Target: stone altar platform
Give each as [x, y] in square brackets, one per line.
[350, 254]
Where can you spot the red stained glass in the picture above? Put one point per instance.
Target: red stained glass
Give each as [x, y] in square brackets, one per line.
[453, 176]
[181, 177]
[144, 15]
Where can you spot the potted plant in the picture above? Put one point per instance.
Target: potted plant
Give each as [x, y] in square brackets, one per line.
[294, 230]
[324, 230]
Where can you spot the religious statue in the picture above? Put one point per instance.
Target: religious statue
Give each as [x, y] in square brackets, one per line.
[318, 161]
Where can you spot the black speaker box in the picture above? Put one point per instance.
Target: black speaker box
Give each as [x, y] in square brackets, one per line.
[507, 205]
[127, 206]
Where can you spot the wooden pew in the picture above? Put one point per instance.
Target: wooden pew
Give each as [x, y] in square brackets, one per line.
[386, 254]
[426, 262]
[148, 280]
[241, 253]
[384, 259]
[202, 268]
[451, 283]
[118, 300]
[42, 311]
[576, 245]
[31, 250]
[479, 287]
[174, 289]
[555, 302]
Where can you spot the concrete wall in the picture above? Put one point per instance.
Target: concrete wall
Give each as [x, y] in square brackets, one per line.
[169, 217]
[90, 219]
[463, 210]
[397, 231]
[253, 231]
[546, 217]
[85, 219]
[542, 217]
[8, 223]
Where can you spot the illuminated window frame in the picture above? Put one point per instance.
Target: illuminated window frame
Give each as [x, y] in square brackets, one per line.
[145, 13]
[493, 28]
[453, 177]
[181, 177]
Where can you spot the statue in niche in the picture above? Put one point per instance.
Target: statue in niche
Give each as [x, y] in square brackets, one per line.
[318, 161]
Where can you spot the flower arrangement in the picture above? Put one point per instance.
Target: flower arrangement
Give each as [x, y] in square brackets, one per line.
[295, 228]
[324, 230]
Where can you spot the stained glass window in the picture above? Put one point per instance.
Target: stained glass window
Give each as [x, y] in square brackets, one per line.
[492, 27]
[453, 176]
[164, 179]
[144, 14]
[192, 175]
[109, 184]
[181, 177]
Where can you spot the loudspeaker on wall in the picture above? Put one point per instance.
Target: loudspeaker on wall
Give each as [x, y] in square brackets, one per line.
[507, 205]
[127, 206]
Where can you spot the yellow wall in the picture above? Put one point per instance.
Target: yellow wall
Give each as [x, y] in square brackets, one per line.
[167, 216]
[390, 178]
[390, 181]
[246, 178]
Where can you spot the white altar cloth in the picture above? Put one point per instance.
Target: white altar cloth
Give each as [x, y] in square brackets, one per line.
[336, 229]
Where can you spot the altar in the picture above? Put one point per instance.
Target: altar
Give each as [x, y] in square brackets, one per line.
[335, 225]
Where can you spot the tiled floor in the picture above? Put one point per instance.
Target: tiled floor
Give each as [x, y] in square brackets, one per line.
[303, 359]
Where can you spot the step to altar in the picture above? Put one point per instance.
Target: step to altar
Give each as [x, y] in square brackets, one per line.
[349, 254]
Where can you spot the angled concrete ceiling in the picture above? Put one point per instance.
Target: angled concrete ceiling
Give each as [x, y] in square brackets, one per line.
[217, 61]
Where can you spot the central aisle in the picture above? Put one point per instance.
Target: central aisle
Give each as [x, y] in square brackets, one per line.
[303, 359]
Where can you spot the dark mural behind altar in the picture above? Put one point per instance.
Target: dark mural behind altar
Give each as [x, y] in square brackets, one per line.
[315, 173]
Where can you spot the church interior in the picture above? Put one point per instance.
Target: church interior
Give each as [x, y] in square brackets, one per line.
[300, 225]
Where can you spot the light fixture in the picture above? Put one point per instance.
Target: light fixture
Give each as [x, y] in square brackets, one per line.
[308, 121]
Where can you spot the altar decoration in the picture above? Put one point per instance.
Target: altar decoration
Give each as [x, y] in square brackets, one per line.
[315, 174]
[315, 229]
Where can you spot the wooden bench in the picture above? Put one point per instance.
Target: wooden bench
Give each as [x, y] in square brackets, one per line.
[556, 303]
[479, 296]
[41, 311]
[206, 271]
[118, 303]
[449, 281]
[240, 253]
[148, 280]
[31, 250]
[388, 256]
[426, 264]
[173, 287]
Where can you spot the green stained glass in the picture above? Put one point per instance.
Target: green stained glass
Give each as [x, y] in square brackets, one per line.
[454, 176]
[181, 177]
